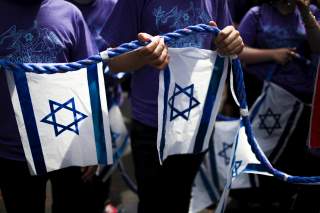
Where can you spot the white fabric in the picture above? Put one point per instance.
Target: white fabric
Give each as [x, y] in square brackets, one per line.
[66, 148]
[190, 71]
[273, 109]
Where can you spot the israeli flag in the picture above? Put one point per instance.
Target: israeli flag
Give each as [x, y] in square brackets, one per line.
[243, 161]
[190, 90]
[213, 174]
[62, 118]
[120, 140]
[274, 117]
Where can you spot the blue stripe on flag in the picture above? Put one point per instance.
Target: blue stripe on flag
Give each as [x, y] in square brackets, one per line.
[208, 185]
[286, 132]
[213, 163]
[166, 78]
[93, 83]
[209, 103]
[258, 105]
[21, 82]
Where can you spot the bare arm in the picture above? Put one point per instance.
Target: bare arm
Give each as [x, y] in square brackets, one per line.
[154, 54]
[253, 55]
[311, 25]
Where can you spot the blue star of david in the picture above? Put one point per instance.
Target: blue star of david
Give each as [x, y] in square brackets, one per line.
[60, 128]
[185, 113]
[264, 125]
[235, 167]
[223, 152]
[114, 138]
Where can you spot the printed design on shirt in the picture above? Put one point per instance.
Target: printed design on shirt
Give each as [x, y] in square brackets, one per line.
[182, 102]
[36, 45]
[177, 18]
[64, 117]
[280, 37]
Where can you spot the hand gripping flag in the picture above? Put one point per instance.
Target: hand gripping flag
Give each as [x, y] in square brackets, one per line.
[62, 117]
[190, 90]
[315, 118]
[274, 117]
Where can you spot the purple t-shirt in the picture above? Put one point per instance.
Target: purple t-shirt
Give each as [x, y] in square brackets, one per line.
[157, 17]
[265, 28]
[96, 14]
[54, 31]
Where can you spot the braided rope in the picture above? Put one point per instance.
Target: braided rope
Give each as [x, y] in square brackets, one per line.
[241, 93]
[169, 37]
[113, 52]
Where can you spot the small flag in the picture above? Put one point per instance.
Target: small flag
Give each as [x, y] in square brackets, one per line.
[213, 174]
[62, 118]
[190, 90]
[274, 117]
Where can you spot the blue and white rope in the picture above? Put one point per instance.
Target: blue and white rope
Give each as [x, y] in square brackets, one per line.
[109, 53]
[169, 37]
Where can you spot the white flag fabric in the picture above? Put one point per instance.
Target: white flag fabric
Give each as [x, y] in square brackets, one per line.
[243, 160]
[62, 118]
[213, 174]
[274, 117]
[190, 90]
[120, 140]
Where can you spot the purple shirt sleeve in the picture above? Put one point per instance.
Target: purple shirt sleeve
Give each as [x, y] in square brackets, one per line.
[223, 14]
[248, 26]
[83, 46]
[124, 23]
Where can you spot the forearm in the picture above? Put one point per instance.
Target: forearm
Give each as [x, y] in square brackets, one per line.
[127, 62]
[312, 29]
[253, 56]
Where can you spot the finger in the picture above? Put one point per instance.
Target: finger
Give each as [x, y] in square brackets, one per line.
[149, 49]
[213, 23]
[233, 37]
[164, 64]
[87, 175]
[224, 34]
[233, 48]
[144, 37]
[159, 60]
[238, 49]
[158, 51]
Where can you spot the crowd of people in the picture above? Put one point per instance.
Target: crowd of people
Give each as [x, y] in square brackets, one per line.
[281, 37]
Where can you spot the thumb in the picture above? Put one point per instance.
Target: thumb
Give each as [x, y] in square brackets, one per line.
[144, 37]
[213, 23]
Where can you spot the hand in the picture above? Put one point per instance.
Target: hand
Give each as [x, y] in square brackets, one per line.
[283, 55]
[303, 4]
[88, 172]
[228, 42]
[155, 53]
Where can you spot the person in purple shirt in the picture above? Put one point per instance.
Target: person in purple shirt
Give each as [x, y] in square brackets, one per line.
[96, 13]
[164, 188]
[48, 31]
[276, 36]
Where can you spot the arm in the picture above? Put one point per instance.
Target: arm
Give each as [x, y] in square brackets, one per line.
[154, 54]
[253, 55]
[311, 25]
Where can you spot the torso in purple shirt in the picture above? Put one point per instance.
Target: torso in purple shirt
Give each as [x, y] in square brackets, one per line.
[52, 31]
[96, 14]
[155, 17]
[265, 28]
